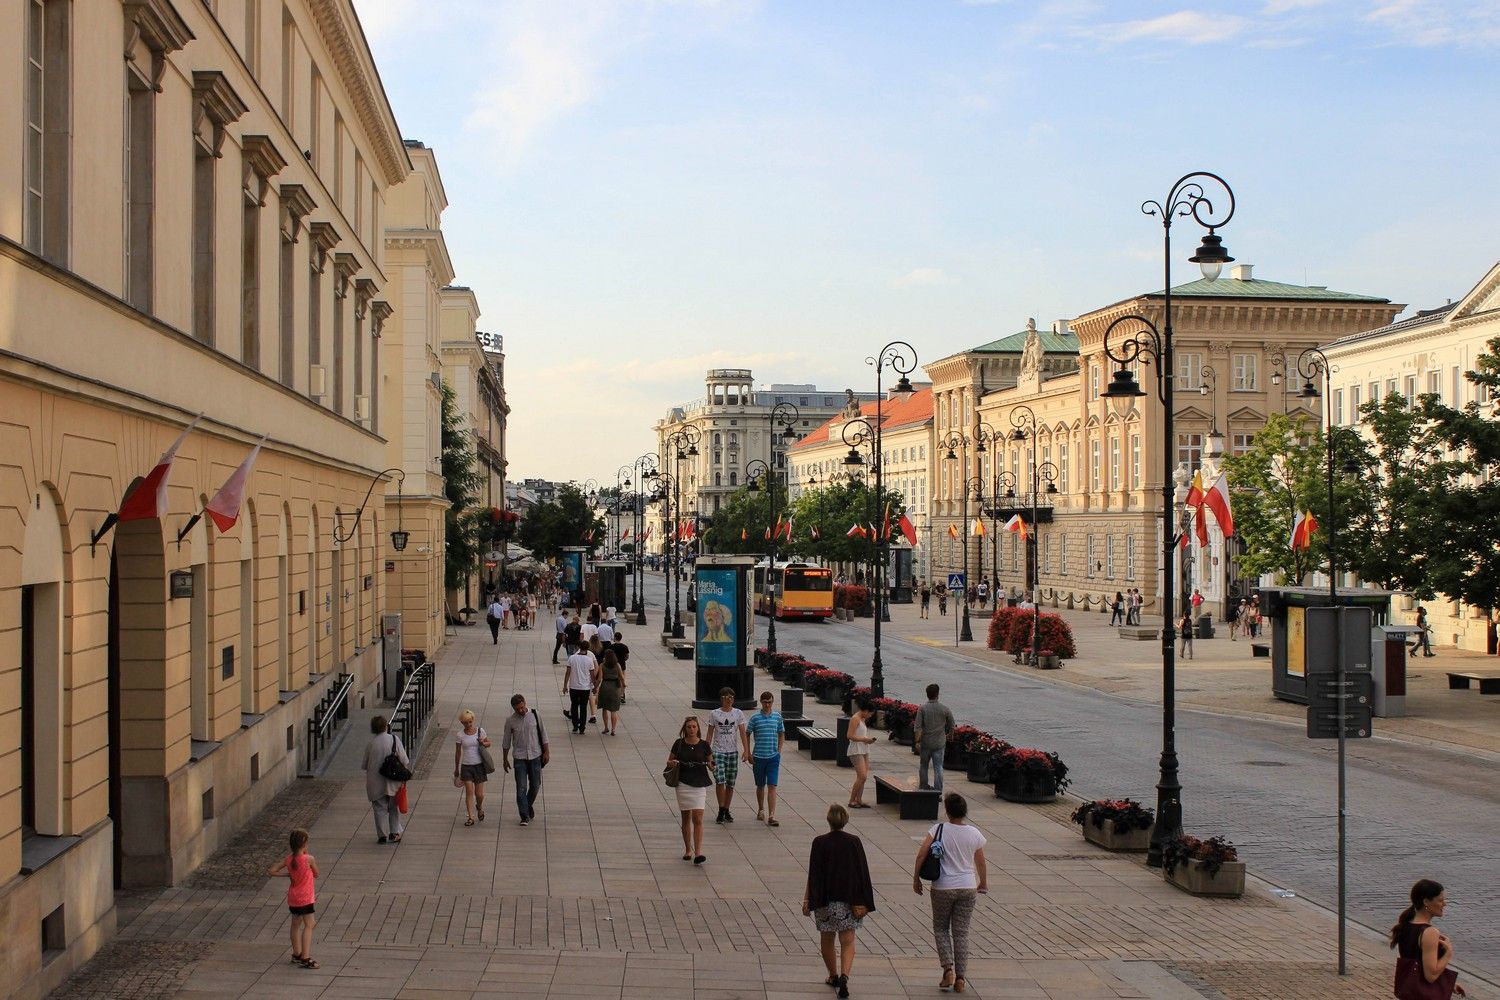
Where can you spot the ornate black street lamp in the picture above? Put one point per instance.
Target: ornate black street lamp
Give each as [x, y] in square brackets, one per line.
[645, 472]
[1024, 427]
[1143, 341]
[682, 442]
[860, 433]
[399, 537]
[954, 441]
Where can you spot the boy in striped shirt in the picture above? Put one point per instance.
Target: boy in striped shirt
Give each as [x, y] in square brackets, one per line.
[767, 734]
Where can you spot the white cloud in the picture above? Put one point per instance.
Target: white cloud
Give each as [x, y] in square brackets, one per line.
[921, 276]
[1188, 26]
[1271, 8]
[1427, 23]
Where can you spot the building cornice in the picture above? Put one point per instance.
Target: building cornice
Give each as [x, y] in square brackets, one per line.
[339, 26]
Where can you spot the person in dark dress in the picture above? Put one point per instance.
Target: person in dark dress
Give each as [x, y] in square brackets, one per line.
[839, 894]
[1421, 949]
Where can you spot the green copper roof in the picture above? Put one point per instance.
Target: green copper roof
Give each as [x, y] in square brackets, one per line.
[1256, 288]
[1052, 343]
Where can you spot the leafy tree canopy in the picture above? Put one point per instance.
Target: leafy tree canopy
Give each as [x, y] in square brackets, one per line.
[461, 483]
[566, 521]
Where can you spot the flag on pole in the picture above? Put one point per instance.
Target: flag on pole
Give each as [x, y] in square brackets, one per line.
[856, 531]
[224, 508]
[816, 534]
[908, 529]
[952, 530]
[588, 536]
[777, 532]
[1217, 500]
[744, 535]
[977, 530]
[626, 534]
[789, 529]
[647, 536]
[1195, 491]
[149, 498]
[1017, 524]
[885, 528]
[1302, 530]
[768, 532]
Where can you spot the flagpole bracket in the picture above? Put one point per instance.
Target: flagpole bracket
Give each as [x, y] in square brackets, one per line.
[191, 524]
[104, 529]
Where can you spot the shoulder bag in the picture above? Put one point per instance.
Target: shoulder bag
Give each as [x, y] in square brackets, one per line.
[485, 757]
[391, 768]
[672, 773]
[932, 865]
[540, 737]
[1412, 985]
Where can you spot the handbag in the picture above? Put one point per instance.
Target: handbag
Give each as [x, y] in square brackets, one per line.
[391, 768]
[1412, 985]
[485, 757]
[859, 911]
[671, 774]
[932, 865]
[401, 803]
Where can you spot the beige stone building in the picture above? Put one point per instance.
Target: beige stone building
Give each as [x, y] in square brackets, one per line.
[1428, 352]
[733, 425]
[189, 224]
[1105, 532]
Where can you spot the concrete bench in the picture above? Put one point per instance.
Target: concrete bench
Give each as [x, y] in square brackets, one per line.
[1138, 632]
[1489, 683]
[911, 802]
[822, 744]
[1260, 649]
[794, 726]
[681, 648]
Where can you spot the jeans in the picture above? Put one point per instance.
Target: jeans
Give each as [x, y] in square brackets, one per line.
[935, 759]
[388, 821]
[556, 646]
[528, 785]
[494, 624]
[578, 708]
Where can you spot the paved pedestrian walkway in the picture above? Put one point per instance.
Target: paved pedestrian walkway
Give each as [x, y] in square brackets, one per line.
[1223, 675]
[594, 900]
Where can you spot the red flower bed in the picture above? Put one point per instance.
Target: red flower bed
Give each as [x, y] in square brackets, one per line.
[1010, 631]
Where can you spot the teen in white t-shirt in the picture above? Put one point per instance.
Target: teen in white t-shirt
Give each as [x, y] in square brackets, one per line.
[730, 745]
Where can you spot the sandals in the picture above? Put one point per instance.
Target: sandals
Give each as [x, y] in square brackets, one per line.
[310, 963]
[960, 984]
[772, 822]
[947, 982]
[469, 821]
[481, 815]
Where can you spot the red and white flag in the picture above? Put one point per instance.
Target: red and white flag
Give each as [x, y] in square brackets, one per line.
[1302, 530]
[626, 534]
[149, 498]
[857, 531]
[789, 528]
[647, 536]
[816, 534]
[224, 508]
[1017, 524]
[1217, 500]
[907, 528]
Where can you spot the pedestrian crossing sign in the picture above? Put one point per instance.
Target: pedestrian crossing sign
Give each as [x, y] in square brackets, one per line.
[955, 581]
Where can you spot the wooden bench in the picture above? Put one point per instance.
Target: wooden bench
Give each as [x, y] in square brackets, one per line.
[911, 802]
[1260, 649]
[1138, 632]
[681, 648]
[1489, 683]
[822, 744]
[795, 726]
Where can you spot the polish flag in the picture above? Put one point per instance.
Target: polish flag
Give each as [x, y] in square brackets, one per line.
[789, 528]
[1217, 500]
[1017, 524]
[224, 508]
[857, 531]
[626, 534]
[885, 528]
[744, 535]
[816, 534]
[1302, 530]
[952, 530]
[768, 532]
[149, 498]
[908, 529]
[647, 536]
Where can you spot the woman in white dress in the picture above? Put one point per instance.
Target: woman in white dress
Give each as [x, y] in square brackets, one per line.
[859, 750]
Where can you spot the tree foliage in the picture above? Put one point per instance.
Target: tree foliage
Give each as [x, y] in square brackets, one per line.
[833, 510]
[747, 512]
[565, 522]
[461, 483]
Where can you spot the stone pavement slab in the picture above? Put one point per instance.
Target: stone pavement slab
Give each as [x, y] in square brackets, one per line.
[592, 900]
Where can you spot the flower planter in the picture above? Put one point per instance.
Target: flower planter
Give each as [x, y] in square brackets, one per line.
[831, 696]
[1106, 837]
[980, 768]
[903, 735]
[955, 759]
[1016, 786]
[1191, 876]
[1048, 662]
[876, 720]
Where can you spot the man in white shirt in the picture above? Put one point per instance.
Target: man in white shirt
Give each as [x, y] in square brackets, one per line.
[606, 633]
[493, 617]
[578, 683]
[730, 745]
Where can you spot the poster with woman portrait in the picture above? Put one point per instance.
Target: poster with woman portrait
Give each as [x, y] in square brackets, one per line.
[572, 570]
[720, 621]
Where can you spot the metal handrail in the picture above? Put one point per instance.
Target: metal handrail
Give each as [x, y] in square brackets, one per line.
[414, 707]
[333, 709]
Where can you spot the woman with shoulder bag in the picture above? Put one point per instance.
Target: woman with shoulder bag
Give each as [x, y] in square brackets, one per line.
[960, 876]
[839, 894]
[694, 764]
[1423, 953]
[472, 764]
[380, 788]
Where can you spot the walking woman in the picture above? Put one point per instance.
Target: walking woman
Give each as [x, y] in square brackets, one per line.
[468, 765]
[1421, 949]
[960, 850]
[380, 790]
[859, 750]
[610, 681]
[695, 774]
[839, 894]
[1117, 610]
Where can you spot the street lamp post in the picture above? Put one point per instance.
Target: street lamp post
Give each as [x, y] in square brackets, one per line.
[1024, 427]
[859, 433]
[1145, 342]
[645, 471]
[960, 440]
[684, 443]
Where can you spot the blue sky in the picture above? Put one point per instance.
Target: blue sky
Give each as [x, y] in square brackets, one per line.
[644, 189]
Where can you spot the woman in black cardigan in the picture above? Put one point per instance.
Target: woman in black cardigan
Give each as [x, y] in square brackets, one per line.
[839, 894]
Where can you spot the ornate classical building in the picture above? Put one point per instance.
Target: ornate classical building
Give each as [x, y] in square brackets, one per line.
[1428, 352]
[1104, 534]
[157, 672]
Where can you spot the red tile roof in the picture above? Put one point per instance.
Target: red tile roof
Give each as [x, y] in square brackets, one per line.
[916, 410]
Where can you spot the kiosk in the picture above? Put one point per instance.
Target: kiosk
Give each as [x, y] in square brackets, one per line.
[1286, 609]
[724, 630]
[610, 586]
[570, 573]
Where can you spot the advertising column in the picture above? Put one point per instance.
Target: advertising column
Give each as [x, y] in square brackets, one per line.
[724, 631]
[571, 570]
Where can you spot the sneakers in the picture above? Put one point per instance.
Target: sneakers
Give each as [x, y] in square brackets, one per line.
[728, 816]
[720, 818]
[525, 822]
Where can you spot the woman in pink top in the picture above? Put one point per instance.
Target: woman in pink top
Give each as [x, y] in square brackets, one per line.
[301, 868]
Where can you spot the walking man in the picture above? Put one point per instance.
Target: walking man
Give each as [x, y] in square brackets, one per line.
[525, 737]
[496, 613]
[926, 598]
[767, 734]
[731, 744]
[931, 728]
[578, 684]
[1421, 638]
[562, 628]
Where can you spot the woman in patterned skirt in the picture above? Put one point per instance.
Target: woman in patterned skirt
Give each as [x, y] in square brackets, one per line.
[839, 894]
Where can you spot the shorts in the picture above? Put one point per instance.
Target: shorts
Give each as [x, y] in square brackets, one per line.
[767, 770]
[474, 772]
[301, 911]
[726, 768]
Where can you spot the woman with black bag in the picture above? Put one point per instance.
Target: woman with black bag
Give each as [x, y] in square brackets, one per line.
[957, 878]
[385, 764]
[690, 769]
[1423, 952]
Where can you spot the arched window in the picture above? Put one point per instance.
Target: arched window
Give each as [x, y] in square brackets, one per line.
[734, 439]
[717, 478]
[734, 479]
[718, 442]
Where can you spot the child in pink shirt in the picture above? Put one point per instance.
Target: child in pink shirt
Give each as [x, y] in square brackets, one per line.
[301, 868]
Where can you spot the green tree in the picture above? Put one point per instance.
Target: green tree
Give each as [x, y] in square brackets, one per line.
[461, 483]
[1464, 558]
[749, 512]
[569, 520]
[833, 510]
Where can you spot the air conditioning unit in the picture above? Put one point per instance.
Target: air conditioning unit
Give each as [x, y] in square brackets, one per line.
[317, 381]
[361, 408]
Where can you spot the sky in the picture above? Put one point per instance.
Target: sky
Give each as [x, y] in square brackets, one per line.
[641, 190]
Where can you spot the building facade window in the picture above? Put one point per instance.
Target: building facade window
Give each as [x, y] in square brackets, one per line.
[1062, 467]
[1190, 451]
[1189, 369]
[1089, 557]
[1130, 557]
[1135, 461]
[1338, 406]
[1354, 404]
[1094, 466]
[1109, 557]
[48, 137]
[1240, 444]
[1046, 553]
[140, 180]
[1243, 371]
[1062, 556]
[1435, 382]
[1114, 464]
[1093, 381]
